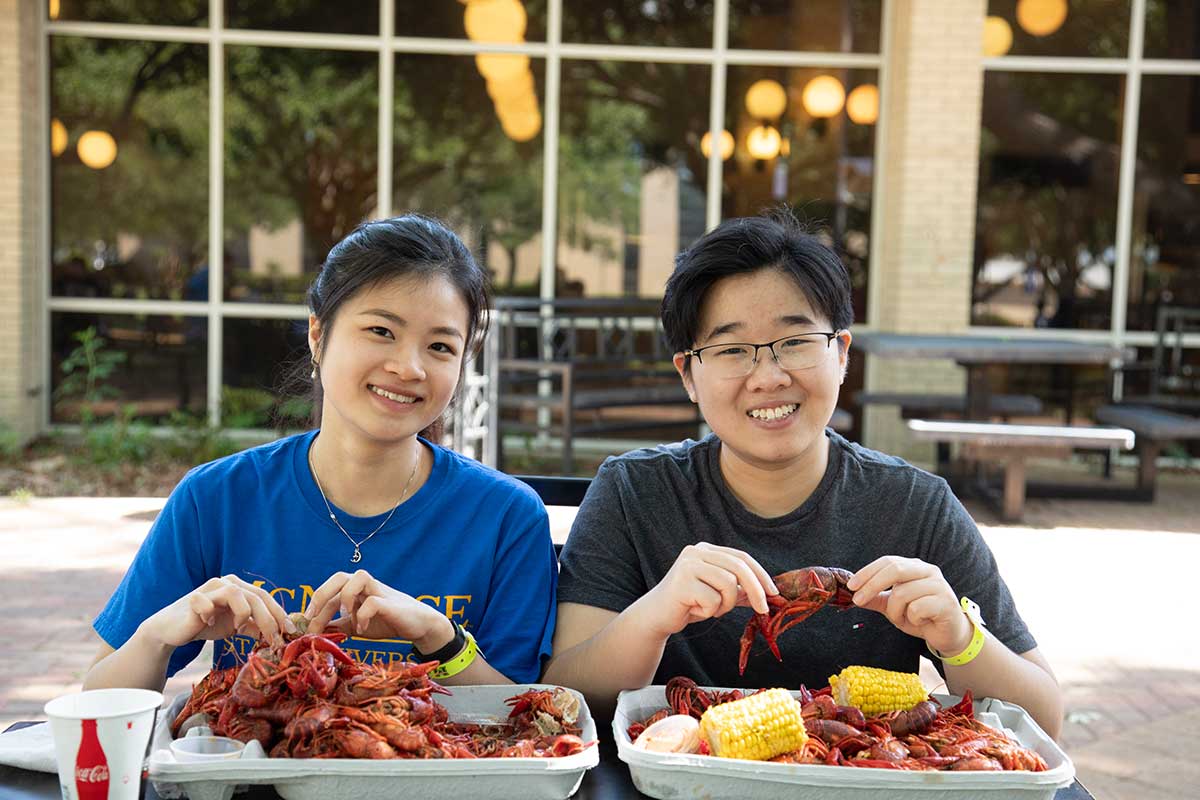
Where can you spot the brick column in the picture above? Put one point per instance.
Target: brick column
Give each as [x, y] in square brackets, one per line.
[21, 209]
[922, 277]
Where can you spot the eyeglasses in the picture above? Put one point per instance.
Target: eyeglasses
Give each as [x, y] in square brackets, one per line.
[738, 359]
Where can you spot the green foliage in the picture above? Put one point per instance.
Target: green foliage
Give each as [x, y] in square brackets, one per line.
[121, 440]
[294, 412]
[195, 442]
[10, 442]
[245, 408]
[86, 371]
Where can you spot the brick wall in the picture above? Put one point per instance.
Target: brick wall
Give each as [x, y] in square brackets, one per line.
[922, 278]
[21, 207]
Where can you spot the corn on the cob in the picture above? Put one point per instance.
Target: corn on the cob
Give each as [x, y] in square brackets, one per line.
[877, 691]
[758, 727]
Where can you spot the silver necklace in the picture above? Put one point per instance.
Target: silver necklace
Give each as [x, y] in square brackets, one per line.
[357, 557]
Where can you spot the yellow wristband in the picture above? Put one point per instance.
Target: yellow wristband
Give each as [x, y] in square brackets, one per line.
[455, 665]
[971, 609]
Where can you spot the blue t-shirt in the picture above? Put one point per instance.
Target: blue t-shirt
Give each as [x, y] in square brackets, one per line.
[472, 542]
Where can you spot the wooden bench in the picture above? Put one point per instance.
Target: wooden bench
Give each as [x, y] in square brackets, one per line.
[1010, 445]
[1154, 427]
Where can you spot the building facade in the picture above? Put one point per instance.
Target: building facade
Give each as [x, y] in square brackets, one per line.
[173, 174]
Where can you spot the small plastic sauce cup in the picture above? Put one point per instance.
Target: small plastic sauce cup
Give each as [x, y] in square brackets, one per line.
[206, 748]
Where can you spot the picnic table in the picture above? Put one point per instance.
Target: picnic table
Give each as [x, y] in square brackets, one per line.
[984, 442]
[978, 353]
[608, 780]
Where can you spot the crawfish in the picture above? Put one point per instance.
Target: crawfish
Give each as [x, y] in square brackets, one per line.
[207, 696]
[802, 592]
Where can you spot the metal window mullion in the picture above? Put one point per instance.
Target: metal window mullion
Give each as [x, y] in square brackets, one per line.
[716, 115]
[550, 148]
[118, 30]
[1126, 181]
[883, 77]
[216, 207]
[546, 288]
[120, 305]
[1114, 66]
[387, 100]
[783, 58]
[45, 246]
[1161, 66]
[264, 310]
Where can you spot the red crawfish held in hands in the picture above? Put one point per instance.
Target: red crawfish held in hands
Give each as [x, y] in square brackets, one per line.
[802, 593]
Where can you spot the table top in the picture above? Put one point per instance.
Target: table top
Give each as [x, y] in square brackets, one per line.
[990, 349]
[609, 780]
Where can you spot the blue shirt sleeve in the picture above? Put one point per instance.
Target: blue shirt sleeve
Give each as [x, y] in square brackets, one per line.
[517, 631]
[169, 564]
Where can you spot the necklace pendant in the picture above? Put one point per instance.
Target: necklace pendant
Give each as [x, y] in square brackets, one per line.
[357, 557]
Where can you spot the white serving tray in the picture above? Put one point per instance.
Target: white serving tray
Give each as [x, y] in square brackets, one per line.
[357, 779]
[666, 775]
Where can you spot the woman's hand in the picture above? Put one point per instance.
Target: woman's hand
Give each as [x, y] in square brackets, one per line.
[705, 581]
[374, 610]
[218, 609]
[917, 600]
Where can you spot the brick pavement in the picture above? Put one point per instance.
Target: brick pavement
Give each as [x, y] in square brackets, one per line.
[1104, 586]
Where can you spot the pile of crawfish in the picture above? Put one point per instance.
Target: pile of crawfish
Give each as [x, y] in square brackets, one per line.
[307, 698]
[926, 737]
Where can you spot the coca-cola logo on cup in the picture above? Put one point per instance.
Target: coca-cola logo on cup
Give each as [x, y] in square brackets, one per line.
[94, 774]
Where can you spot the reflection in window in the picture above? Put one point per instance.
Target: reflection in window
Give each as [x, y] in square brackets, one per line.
[1165, 264]
[132, 12]
[306, 15]
[129, 167]
[631, 174]
[468, 149]
[1098, 28]
[301, 164]
[650, 23]
[805, 137]
[1046, 224]
[161, 368]
[829, 26]
[264, 374]
[1172, 29]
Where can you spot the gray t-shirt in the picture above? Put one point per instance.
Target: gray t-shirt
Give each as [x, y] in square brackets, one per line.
[645, 506]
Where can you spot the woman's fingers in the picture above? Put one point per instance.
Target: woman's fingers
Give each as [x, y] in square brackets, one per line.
[721, 581]
[270, 604]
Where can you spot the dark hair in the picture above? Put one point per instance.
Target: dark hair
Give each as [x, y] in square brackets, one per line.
[382, 250]
[774, 240]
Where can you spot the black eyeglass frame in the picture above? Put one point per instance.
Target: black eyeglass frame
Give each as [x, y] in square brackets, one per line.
[829, 337]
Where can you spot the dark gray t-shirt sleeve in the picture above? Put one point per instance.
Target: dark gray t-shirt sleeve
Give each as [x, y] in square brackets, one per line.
[599, 563]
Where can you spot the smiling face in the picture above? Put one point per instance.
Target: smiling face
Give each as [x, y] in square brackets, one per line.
[772, 417]
[391, 359]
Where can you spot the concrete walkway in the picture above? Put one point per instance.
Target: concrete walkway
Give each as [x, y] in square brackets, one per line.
[1105, 587]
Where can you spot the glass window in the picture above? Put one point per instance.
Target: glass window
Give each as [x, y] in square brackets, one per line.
[1098, 28]
[357, 16]
[631, 189]
[133, 12]
[1046, 215]
[265, 368]
[805, 136]
[301, 164]
[129, 167]
[1164, 266]
[468, 149]
[829, 26]
[1172, 29]
[508, 21]
[651, 23]
[160, 365]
